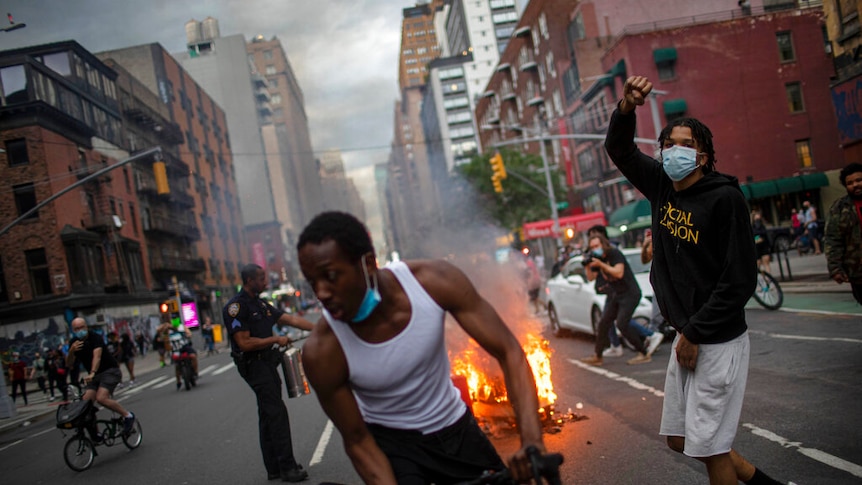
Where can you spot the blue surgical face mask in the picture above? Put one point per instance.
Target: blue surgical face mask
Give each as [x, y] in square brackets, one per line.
[678, 162]
[80, 333]
[598, 252]
[370, 300]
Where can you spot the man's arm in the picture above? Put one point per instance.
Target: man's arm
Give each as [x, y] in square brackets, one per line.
[295, 321]
[247, 343]
[94, 366]
[326, 368]
[454, 292]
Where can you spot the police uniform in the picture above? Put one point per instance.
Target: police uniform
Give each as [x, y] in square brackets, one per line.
[259, 369]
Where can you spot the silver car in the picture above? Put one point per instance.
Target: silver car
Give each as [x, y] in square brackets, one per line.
[574, 305]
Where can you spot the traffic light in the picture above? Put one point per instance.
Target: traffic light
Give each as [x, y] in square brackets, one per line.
[499, 172]
[170, 312]
[161, 173]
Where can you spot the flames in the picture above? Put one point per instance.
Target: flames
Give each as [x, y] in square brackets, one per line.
[484, 378]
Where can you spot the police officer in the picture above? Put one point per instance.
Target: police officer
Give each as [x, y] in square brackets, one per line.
[249, 322]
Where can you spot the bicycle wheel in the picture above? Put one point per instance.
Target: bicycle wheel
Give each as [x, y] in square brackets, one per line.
[79, 453]
[768, 292]
[134, 438]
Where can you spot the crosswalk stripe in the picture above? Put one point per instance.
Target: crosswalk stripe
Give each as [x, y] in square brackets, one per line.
[207, 370]
[139, 388]
[163, 384]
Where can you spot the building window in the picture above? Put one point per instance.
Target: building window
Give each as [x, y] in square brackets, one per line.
[803, 153]
[37, 267]
[4, 294]
[25, 199]
[275, 99]
[270, 70]
[785, 47]
[267, 54]
[16, 152]
[848, 12]
[794, 97]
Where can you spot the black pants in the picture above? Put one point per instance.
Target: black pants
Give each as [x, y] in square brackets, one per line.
[22, 383]
[619, 308]
[857, 291]
[455, 454]
[273, 422]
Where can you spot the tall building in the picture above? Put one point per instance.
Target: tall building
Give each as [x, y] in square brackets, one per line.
[110, 246]
[277, 175]
[339, 191]
[212, 174]
[419, 44]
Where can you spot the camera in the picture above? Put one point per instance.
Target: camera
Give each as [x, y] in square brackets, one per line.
[588, 259]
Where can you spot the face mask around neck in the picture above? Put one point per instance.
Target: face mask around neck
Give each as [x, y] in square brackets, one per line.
[371, 299]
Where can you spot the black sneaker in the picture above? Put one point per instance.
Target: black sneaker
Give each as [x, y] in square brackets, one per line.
[128, 424]
[295, 474]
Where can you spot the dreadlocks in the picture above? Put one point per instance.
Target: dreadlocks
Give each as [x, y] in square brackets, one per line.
[701, 135]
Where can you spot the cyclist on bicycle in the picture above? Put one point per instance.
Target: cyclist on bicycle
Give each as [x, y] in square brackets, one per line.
[104, 373]
[181, 337]
[378, 361]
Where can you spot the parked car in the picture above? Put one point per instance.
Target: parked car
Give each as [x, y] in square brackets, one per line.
[574, 305]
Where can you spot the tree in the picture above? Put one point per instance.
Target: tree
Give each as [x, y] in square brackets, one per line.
[520, 201]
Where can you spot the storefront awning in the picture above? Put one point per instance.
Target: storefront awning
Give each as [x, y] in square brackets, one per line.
[674, 106]
[579, 223]
[665, 55]
[787, 185]
[631, 213]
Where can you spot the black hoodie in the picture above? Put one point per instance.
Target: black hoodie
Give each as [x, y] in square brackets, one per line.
[703, 269]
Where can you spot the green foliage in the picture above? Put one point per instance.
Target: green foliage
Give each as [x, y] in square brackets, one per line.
[520, 202]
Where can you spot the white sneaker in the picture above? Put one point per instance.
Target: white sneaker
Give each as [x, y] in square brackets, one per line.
[613, 351]
[654, 341]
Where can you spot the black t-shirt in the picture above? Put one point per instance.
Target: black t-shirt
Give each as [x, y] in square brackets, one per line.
[247, 313]
[627, 285]
[85, 356]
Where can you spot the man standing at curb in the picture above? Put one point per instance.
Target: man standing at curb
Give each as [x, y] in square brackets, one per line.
[843, 239]
[703, 274]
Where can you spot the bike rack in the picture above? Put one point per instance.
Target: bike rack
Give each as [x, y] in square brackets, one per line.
[781, 265]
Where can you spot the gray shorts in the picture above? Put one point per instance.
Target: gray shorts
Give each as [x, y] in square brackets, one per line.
[704, 406]
[108, 379]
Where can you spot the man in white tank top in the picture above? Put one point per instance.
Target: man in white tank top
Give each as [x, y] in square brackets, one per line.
[378, 363]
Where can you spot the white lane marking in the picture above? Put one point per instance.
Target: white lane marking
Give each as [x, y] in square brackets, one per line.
[317, 457]
[10, 445]
[807, 337]
[168, 381]
[138, 388]
[208, 369]
[617, 377]
[812, 453]
[818, 312]
[225, 368]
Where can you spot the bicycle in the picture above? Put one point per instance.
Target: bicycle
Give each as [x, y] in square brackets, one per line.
[80, 416]
[768, 292]
[546, 469]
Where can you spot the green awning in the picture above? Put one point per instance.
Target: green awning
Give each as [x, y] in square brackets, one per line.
[786, 185]
[666, 55]
[759, 190]
[631, 213]
[619, 69]
[674, 106]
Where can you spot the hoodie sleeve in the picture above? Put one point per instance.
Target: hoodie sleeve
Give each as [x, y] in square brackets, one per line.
[725, 306]
[643, 171]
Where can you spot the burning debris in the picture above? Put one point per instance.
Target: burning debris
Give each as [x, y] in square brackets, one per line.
[482, 387]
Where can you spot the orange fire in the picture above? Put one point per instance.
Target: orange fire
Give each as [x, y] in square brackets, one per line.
[484, 377]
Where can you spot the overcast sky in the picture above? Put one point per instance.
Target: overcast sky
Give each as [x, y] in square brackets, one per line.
[344, 52]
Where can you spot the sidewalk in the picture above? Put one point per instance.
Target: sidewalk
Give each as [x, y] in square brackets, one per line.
[40, 406]
[809, 274]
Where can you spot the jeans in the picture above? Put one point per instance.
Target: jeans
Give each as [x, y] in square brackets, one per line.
[619, 309]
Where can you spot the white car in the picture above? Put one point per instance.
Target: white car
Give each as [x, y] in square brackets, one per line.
[573, 303]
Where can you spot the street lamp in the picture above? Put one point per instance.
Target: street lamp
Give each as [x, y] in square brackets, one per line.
[12, 25]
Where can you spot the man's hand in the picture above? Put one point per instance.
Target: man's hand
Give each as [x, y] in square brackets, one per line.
[520, 465]
[635, 92]
[840, 277]
[283, 341]
[78, 345]
[686, 353]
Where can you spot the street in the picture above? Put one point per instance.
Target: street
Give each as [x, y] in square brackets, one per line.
[795, 424]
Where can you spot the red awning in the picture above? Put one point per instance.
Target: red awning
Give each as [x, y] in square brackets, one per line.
[580, 223]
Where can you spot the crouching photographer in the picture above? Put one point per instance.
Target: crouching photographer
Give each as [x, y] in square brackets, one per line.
[614, 277]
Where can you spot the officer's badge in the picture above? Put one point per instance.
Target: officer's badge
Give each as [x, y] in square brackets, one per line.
[233, 309]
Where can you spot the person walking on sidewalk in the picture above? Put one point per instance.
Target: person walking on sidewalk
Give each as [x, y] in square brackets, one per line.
[18, 377]
[703, 275]
[57, 373]
[843, 239]
[104, 374]
[40, 373]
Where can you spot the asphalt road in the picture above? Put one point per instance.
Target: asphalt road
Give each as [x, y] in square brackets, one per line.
[798, 421]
